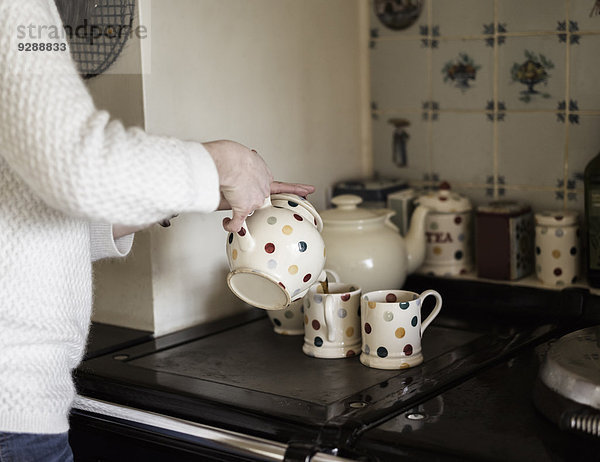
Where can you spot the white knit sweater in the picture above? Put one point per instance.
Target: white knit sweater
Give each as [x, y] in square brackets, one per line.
[63, 165]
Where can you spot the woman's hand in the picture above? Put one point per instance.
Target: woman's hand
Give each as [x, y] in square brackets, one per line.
[245, 181]
[278, 187]
[244, 178]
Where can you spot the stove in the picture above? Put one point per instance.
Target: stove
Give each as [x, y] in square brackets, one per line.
[230, 389]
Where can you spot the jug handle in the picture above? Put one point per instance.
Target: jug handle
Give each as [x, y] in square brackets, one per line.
[245, 239]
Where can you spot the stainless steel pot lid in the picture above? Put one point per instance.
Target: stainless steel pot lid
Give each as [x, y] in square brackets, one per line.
[572, 367]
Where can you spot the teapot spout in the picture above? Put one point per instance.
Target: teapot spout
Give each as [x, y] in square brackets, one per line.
[415, 239]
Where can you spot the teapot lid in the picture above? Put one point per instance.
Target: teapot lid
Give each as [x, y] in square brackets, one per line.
[347, 210]
[293, 201]
[444, 200]
[556, 218]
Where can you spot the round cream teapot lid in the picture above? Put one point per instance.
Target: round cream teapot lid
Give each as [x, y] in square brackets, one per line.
[444, 201]
[556, 218]
[347, 210]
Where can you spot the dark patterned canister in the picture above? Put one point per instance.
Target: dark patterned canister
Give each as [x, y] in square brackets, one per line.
[504, 240]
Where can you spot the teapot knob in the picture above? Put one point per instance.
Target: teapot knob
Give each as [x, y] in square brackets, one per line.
[347, 201]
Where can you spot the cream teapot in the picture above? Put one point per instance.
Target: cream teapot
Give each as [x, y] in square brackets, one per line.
[278, 254]
[365, 248]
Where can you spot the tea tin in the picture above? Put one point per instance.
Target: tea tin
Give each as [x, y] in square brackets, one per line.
[448, 232]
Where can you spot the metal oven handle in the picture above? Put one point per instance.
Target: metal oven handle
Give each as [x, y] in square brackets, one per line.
[237, 443]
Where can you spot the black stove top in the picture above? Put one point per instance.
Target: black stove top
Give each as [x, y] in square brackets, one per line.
[470, 398]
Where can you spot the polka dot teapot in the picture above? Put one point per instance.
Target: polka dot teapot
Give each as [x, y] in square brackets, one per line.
[278, 254]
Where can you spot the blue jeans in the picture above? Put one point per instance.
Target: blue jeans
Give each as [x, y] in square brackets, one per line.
[29, 447]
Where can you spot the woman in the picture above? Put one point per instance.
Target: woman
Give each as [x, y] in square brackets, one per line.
[67, 172]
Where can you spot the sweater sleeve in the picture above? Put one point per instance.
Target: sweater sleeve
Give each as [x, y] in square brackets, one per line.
[104, 245]
[71, 154]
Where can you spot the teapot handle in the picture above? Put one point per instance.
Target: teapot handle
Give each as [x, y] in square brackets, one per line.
[245, 239]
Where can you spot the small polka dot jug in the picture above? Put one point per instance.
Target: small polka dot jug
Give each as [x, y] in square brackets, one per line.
[392, 328]
[278, 254]
[557, 249]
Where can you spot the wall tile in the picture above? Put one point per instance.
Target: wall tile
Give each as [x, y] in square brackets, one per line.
[517, 57]
[546, 133]
[384, 31]
[462, 148]
[539, 200]
[579, 11]
[584, 144]
[477, 196]
[585, 73]
[526, 16]
[463, 72]
[417, 148]
[462, 17]
[531, 149]
[399, 74]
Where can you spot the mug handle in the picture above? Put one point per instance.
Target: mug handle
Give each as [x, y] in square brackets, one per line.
[332, 274]
[329, 318]
[436, 308]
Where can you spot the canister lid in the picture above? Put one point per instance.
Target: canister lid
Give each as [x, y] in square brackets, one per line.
[347, 210]
[556, 218]
[508, 208]
[445, 201]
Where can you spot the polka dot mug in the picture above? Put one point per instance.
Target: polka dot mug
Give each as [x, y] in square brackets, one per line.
[278, 254]
[392, 328]
[332, 321]
[290, 320]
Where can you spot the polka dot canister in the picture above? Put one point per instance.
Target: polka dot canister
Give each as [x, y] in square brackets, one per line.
[557, 248]
[448, 231]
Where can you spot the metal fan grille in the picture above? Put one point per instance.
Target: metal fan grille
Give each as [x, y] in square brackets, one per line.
[96, 47]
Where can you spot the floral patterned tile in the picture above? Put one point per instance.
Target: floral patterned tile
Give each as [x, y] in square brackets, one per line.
[463, 73]
[586, 13]
[541, 200]
[462, 17]
[531, 150]
[585, 73]
[399, 74]
[462, 148]
[531, 72]
[584, 145]
[387, 146]
[529, 16]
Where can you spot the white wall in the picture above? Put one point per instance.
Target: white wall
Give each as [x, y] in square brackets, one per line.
[123, 288]
[286, 77]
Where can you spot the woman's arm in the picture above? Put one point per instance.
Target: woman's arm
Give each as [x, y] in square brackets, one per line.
[72, 155]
